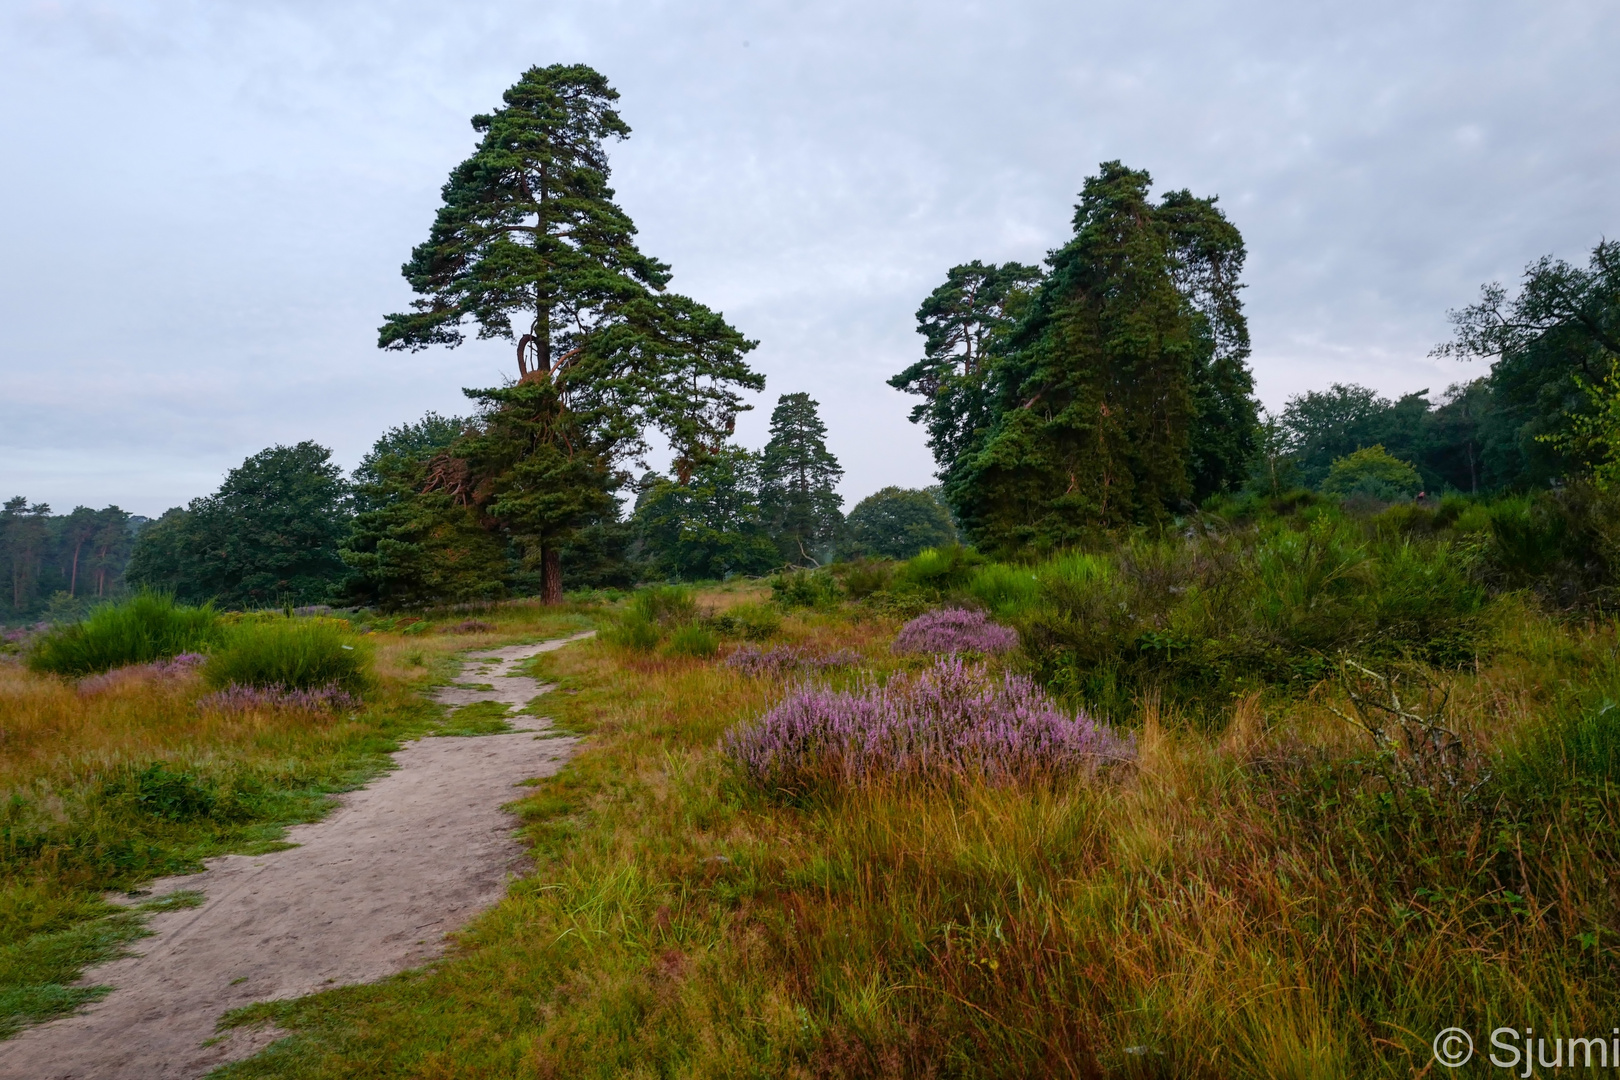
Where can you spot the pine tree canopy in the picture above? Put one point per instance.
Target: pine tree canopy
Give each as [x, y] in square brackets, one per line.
[1123, 392]
[531, 248]
[799, 476]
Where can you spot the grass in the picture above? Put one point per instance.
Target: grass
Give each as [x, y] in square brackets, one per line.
[295, 654]
[1254, 900]
[146, 627]
[112, 781]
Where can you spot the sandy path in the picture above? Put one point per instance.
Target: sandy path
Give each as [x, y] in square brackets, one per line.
[370, 890]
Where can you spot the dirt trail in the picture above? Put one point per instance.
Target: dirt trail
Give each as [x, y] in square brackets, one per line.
[370, 890]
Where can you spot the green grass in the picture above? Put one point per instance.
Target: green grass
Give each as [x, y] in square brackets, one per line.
[479, 718]
[146, 627]
[298, 654]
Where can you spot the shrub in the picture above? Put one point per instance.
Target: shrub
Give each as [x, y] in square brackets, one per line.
[939, 570]
[291, 654]
[755, 622]
[144, 628]
[633, 631]
[806, 588]
[1372, 473]
[1008, 591]
[955, 630]
[235, 698]
[953, 719]
[751, 660]
[693, 640]
[664, 605]
[863, 577]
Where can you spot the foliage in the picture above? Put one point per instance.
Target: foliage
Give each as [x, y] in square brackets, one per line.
[269, 536]
[798, 481]
[897, 523]
[291, 654]
[144, 628]
[950, 720]
[1561, 329]
[805, 589]
[1372, 473]
[693, 640]
[65, 560]
[1125, 391]
[752, 621]
[1005, 591]
[1593, 437]
[415, 539]
[712, 526]
[651, 614]
[965, 323]
[529, 245]
[955, 630]
[938, 571]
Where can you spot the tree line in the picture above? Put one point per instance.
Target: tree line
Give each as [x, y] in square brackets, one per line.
[59, 563]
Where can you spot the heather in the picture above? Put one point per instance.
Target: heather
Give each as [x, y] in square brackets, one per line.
[954, 719]
[955, 630]
[780, 660]
[321, 699]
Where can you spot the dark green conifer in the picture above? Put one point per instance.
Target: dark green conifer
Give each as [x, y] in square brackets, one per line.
[798, 477]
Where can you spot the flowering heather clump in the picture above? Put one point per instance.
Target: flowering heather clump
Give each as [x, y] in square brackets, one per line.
[172, 668]
[955, 630]
[952, 719]
[781, 659]
[237, 698]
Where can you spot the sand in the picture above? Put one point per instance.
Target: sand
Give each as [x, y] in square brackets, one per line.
[370, 890]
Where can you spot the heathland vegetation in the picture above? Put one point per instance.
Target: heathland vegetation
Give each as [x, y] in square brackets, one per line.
[1165, 738]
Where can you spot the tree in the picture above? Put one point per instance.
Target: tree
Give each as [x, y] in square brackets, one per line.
[1125, 392]
[964, 323]
[415, 539]
[268, 536]
[1561, 330]
[798, 475]
[897, 523]
[713, 525]
[530, 246]
[23, 538]
[1372, 473]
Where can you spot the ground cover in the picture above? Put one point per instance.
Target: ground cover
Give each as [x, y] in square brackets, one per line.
[113, 779]
[1290, 884]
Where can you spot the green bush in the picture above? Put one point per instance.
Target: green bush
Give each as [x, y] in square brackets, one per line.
[863, 577]
[298, 654]
[806, 588]
[1008, 591]
[664, 605]
[1372, 473]
[693, 640]
[634, 631]
[755, 622]
[144, 628]
[939, 570]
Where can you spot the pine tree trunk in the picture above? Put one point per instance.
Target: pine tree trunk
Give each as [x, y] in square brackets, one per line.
[550, 575]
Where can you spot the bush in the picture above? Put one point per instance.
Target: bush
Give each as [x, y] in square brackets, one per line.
[142, 629]
[863, 577]
[693, 640]
[954, 719]
[664, 605]
[806, 588]
[633, 631]
[291, 654]
[755, 622]
[1008, 591]
[954, 630]
[1372, 473]
[939, 570]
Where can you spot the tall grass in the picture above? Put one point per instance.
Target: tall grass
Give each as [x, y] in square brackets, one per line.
[292, 654]
[1254, 901]
[146, 627]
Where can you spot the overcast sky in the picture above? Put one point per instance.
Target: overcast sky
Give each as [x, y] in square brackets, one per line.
[206, 205]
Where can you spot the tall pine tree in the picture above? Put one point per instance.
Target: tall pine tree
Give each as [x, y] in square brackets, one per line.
[798, 480]
[1124, 392]
[530, 246]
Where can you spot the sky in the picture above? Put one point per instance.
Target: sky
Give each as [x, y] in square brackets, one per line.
[207, 204]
